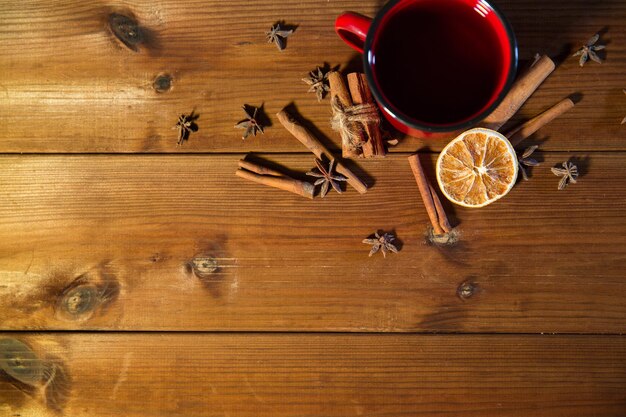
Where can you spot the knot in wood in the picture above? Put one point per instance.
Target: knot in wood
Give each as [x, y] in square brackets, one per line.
[466, 290]
[126, 30]
[81, 299]
[19, 362]
[204, 266]
[162, 83]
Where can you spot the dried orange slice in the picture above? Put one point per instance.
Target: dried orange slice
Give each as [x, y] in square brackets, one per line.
[477, 168]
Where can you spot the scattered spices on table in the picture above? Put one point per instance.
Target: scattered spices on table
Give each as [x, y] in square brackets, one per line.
[278, 36]
[251, 123]
[304, 136]
[569, 174]
[185, 125]
[589, 51]
[326, 177]
[381, 242]
[318, 82]
[525, 160]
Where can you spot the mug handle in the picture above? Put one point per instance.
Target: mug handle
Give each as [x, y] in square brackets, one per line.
[352, 28]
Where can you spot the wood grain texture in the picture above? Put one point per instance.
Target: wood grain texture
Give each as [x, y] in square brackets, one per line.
[143, 242]
[325, 375]
[538, 260]
[68, 86]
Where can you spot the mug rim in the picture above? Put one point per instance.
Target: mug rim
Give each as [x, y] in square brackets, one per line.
[410, 122]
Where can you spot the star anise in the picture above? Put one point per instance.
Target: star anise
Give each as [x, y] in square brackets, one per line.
[569, 174]
[277, 35]
[186, 124]
[525, 160]
[589, 51]
[382, 243]
[251, 123]
[318, 82]
[326, 177]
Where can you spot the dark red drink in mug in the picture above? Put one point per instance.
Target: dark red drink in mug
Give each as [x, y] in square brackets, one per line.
[434, 66]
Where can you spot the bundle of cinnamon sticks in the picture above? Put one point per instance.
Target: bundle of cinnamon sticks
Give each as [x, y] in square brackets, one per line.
[355, 116]
[273, 178]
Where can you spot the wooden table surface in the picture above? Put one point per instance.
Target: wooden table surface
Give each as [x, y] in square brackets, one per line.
[524, 315]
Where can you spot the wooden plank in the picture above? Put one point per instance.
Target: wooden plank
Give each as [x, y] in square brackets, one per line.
[323, 375]
[68, 86]
[538, 260]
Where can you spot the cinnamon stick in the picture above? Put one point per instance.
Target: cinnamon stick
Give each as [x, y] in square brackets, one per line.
[313, 144]
[433, 205]
[339, 91]
[441, 214]
[338, 88]
[373, 145]
[271, 178]
[523, 88]
[251, 166]
[528, 128]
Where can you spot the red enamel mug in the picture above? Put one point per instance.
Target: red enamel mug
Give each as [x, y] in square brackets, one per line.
[434, 66]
